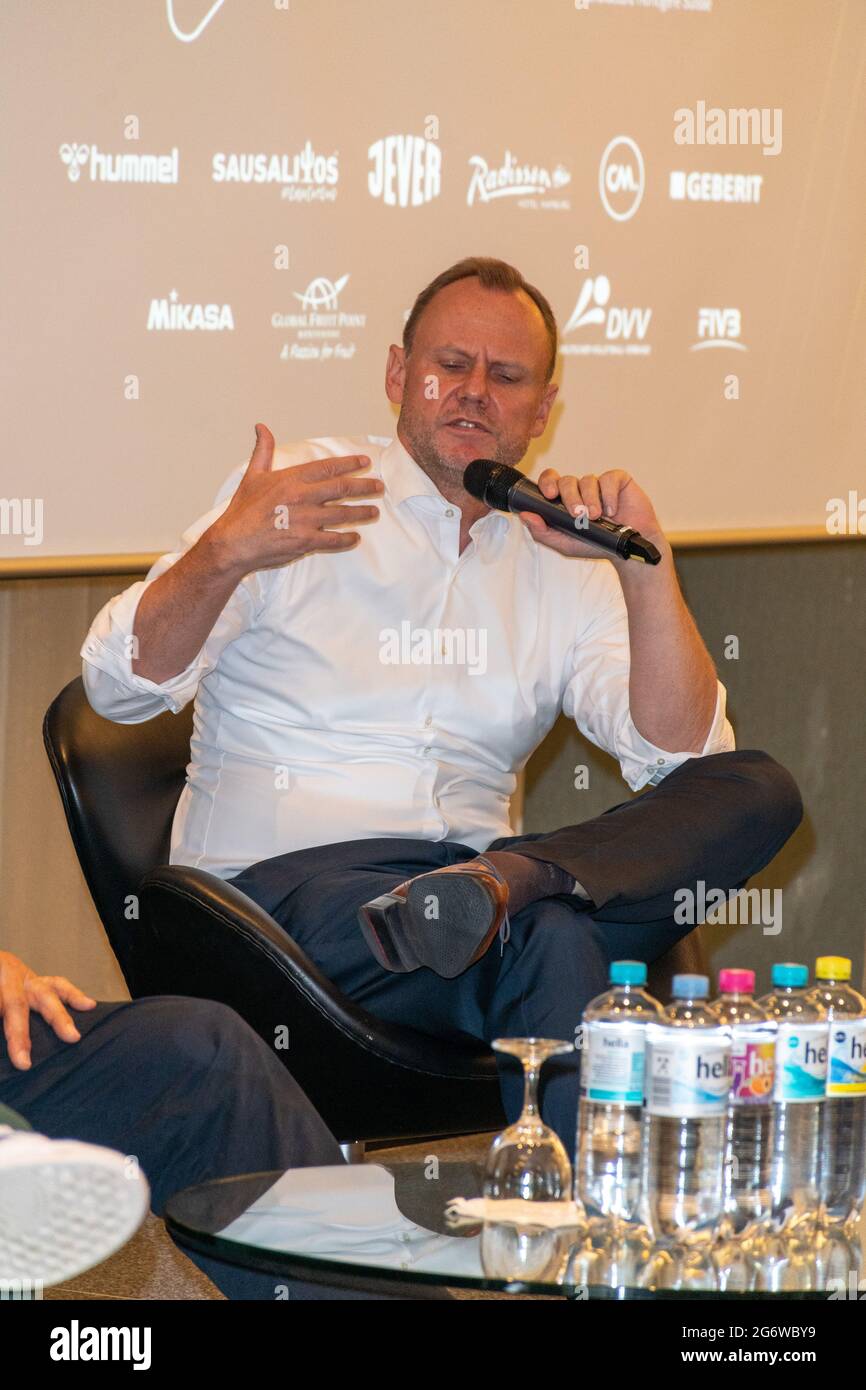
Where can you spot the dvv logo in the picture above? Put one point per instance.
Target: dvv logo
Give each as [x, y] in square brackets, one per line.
[406, 170]
[621, 178]
[615, 330]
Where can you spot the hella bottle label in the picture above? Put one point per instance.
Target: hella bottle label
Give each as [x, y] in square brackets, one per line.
[801, 1062]
[613, 1069]
[688, 1073]
[846, 1061]
[753, 1065]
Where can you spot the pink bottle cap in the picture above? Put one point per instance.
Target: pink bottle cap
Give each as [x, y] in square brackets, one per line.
[736, 981]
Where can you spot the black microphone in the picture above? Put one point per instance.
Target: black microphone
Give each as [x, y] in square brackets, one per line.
[507, 490]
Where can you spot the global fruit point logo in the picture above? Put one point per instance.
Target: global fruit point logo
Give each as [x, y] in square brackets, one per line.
[526, 182]
[321, 330]
[130, 167]
[304, 177]
[169, 315]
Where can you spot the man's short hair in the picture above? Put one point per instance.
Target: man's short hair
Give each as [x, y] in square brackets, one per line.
[493, 275]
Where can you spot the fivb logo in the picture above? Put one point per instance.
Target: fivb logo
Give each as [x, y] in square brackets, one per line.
[128, 167]
[406, 172]
[621, 178]
[624, 329]
[719, 328]
[168, 315]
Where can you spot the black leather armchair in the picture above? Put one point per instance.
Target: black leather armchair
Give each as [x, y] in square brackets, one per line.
[177, 930]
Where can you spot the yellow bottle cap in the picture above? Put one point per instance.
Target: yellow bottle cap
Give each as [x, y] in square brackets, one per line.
[833, 968]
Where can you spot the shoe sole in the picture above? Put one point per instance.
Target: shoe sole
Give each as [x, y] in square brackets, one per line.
[62, 1215]
[446, 924]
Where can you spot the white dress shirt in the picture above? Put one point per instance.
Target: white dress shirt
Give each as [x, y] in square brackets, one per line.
[394, 689]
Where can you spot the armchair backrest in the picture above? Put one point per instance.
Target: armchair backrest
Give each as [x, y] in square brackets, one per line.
[119, 784]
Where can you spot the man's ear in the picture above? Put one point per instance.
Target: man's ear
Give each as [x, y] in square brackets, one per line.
[544, 409]
[395, 374]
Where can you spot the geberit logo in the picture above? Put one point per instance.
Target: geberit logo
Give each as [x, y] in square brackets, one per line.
[77, 1343]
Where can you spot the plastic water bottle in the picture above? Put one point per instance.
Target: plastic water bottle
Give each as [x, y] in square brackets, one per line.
[843, 1146]
[607, 1176]
[748, 1138]
[798, 1097]
[688, 1078]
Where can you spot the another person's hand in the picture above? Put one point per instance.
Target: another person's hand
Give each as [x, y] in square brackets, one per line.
[614, 494]
[22, 990]
[274, 517]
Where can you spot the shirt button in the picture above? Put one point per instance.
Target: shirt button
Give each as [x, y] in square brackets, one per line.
[428, 721]
[449, 511]
[426, 752]
[660, 761]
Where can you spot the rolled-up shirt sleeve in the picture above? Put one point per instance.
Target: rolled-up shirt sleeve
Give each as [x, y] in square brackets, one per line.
[112, 687]
[596, 692]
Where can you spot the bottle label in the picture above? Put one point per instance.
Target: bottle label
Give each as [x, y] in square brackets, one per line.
[753, 1064]
[613, 1069]
[846, 1062]
[801, 1061]
[688, 1072]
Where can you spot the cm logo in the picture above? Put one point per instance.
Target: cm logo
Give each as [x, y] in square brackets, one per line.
[621, 178]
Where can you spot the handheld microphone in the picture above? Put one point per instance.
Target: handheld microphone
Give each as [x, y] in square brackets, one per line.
[507, 490]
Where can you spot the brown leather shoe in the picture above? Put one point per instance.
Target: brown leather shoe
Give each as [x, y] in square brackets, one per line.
[444, 920]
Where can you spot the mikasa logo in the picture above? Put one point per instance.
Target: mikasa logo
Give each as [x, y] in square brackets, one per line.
[128, 167]
[169, 315]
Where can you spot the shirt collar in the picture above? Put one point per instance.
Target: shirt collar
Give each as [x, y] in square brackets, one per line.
[404, 479]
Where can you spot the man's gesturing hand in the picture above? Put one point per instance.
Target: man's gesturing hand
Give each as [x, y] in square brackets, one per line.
[614, 494]
[275, 516]
[22, 990]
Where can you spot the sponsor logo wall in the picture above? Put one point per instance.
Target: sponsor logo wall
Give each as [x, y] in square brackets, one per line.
[242, 239]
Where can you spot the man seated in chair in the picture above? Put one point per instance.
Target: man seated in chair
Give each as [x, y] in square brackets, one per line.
[366, 698]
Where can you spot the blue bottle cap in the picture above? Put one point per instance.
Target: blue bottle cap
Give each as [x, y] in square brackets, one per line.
[690, 987]
[787, 973]
[628, 972]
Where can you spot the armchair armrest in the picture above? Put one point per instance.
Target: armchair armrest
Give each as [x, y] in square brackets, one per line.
[199, 935]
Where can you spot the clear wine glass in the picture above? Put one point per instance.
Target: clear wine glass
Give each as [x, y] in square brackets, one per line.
[527, 1162]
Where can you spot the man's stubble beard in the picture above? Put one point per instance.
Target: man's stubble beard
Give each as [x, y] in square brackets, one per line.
[418, 438]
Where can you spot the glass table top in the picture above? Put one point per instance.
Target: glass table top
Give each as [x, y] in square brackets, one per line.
[356, 1223]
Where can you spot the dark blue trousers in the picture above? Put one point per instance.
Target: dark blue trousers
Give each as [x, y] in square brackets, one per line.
[719, 819]
[191, 1091]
